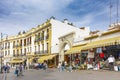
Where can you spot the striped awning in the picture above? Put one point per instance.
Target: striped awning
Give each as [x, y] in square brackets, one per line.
[73, 50]
[105, 42]
[17, 60]
[31, 59]
[94, 44]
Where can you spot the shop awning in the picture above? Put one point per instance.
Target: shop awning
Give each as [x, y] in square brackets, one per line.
[73, 50]
[16, 60]
[105, 42]
[31, 59]
[47, 57]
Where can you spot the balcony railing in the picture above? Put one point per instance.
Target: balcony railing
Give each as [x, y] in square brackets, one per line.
[41, 52]
[17, 55]
[20, 44]
[6, 47]
[28, 43]
[13, 46]
[46, 51]
[39, 39]
[37, 52]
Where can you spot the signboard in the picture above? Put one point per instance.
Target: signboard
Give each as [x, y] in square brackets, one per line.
[90, 55]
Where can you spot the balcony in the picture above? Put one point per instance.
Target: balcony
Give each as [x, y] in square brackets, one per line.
[46, 51]
[8, 46]
[28, 43]
[41, 52]
[37, 52]
[36, 40]
[16, 45]
[15, 55]
[39, 39]
[20, 44]
[22, 54]
[13, 46]
[25, 44]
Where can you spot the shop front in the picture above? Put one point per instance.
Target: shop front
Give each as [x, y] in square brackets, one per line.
[16, 61]
[51, 60]
[113, 50]
[99, 51]
[73, 55]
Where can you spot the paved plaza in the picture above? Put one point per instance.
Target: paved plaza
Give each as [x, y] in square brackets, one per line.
[53, 74]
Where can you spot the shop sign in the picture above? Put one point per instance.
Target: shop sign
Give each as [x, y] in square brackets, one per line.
[90, 55]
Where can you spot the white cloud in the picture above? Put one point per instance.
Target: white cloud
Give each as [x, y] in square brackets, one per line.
[40, 5]
[84, 20]
[25, 14]
[92, 20]
[12, 29]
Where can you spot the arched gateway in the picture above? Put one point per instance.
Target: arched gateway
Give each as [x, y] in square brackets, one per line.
[65, 41]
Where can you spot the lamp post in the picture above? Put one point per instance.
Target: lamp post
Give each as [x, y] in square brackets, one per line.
[1, 71]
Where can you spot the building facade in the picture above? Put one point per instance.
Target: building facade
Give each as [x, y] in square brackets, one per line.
[34, 45]
[96, 47]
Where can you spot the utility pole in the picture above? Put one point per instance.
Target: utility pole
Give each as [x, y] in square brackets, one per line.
[110, 11]
[1, 53]
[117, 2]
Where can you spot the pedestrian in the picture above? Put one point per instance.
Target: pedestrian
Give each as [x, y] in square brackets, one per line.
[63, 66]
[45, 66]
[5, 68]
[111, 61]
[70, 68]
[8, 68]
[74, 67]
[59, 67]
[16, 71]
[5, 72]
[21, 70]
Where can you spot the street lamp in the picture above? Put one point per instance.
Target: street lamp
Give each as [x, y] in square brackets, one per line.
[1, 49]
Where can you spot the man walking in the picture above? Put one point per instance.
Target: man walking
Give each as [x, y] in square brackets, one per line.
[111, 61]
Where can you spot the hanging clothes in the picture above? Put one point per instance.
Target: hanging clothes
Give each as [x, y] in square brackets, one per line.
[90, 55]
[98, 50]
[102, 55]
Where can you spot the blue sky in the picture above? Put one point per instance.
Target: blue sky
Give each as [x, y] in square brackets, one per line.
[19, 15]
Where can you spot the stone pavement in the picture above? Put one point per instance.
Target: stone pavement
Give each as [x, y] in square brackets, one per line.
[53, 74]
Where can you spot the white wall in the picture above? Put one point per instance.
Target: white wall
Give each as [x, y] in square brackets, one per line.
[106, 36]
[59, 29]
[55, 49]
[98, 38]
